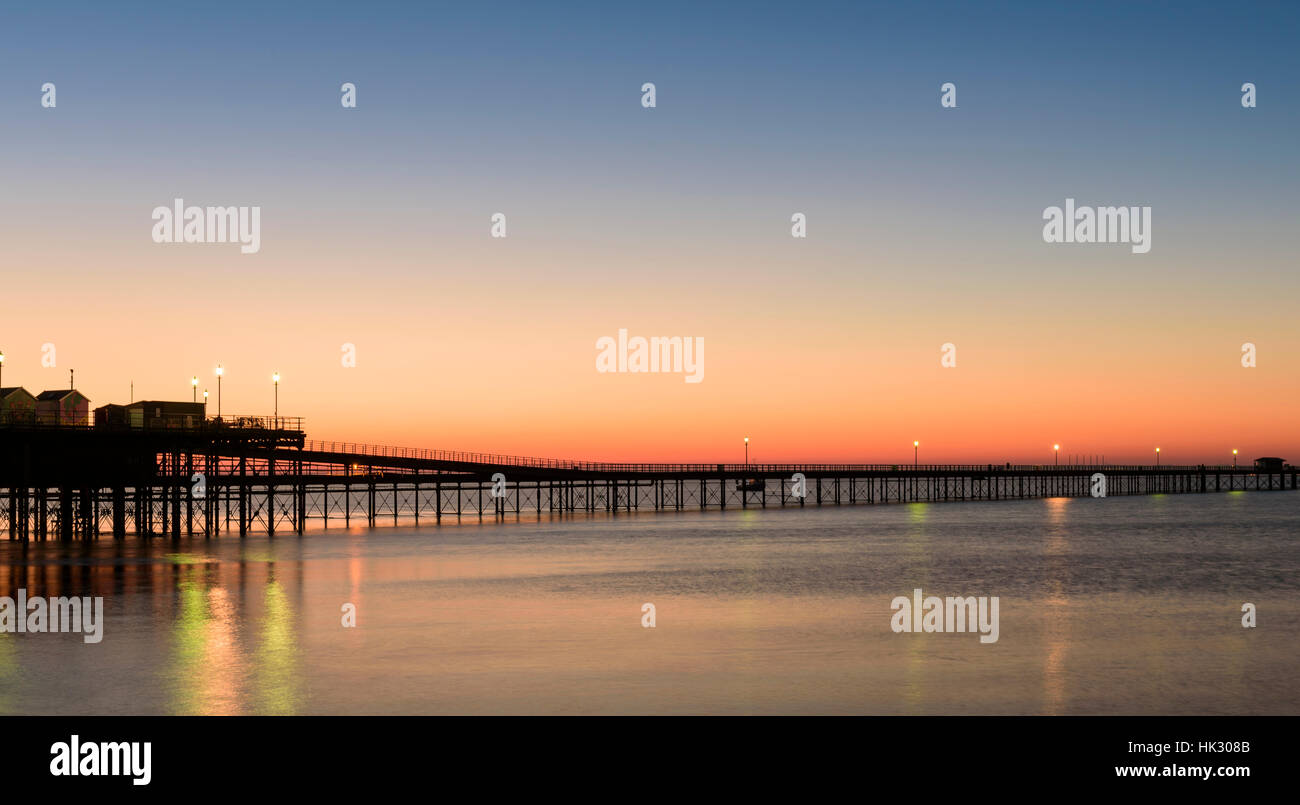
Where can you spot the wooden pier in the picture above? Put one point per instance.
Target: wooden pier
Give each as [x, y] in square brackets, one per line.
[250, 475]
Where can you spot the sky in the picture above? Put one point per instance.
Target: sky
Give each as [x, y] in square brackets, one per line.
[924, 223]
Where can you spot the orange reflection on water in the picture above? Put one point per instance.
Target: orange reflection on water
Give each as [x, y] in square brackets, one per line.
[1055, 608]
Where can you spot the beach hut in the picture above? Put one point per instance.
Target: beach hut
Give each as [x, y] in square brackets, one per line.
[111, 416]
[17, 406]
[62, 407]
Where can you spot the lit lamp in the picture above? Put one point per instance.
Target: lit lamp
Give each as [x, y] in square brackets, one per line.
[1157, 456]
[916, 452]
[220, 372]
[1234, 455]
[1056, 456]
[275, 378]
[194, 388]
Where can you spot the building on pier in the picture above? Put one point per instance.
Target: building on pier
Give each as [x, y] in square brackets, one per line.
[164, 415]
[17, 406]
[111, 416]
[150, 415]
[62, 407]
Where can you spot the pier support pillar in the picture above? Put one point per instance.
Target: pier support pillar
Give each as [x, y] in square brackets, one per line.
[270, 497]
[119, 512]
[243, 496]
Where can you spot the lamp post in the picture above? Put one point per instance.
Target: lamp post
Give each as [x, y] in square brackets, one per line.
[194, 388]
[275, 378]
[916, 452]
[746, 451]
[1056, 455]
[220, 372]
[1234, 458]
[1157, 456]
[205, 403]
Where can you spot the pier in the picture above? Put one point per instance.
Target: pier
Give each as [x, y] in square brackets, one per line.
[261, 475]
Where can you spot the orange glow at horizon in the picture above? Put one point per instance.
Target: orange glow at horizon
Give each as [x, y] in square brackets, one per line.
[447, 362]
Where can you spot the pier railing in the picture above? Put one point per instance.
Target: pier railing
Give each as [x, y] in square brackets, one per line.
[30, 418]
[169, 421]
[273, 422]
[533, 462]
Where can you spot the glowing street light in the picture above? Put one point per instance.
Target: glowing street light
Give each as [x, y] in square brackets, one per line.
[916, 452]
[194, 388]
[1157, 456]
[220, 372]
[746, 451]
[275, 378]
[1056, 456]
[1234, 457]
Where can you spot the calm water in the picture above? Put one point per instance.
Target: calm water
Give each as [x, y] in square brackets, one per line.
[1118, 605]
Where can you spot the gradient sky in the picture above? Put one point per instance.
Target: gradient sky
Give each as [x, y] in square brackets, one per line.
[924, 224]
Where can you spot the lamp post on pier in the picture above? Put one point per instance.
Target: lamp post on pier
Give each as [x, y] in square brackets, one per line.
[220, 371]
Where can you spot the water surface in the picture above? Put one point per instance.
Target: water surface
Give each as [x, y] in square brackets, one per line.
[1115, 605]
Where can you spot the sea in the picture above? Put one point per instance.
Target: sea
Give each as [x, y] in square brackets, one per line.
[1158, 604]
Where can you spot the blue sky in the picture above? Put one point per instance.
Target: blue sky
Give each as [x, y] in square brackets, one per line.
[678, 214]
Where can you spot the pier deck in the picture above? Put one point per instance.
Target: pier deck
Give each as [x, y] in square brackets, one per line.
[261, 476]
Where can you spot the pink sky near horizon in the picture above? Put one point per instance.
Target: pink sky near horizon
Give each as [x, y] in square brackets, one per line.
[846, 372]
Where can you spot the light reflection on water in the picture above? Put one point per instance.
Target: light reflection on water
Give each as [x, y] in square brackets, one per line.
[1121, 605]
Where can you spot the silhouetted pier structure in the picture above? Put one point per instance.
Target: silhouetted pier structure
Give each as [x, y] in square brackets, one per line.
[262, 475]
